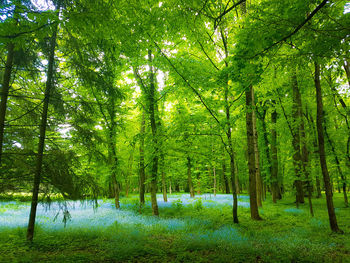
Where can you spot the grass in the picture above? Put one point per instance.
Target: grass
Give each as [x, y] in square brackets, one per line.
[199, 230]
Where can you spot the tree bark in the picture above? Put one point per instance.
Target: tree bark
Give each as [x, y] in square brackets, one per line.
[41, 145]
[142, 176]
[330, 206]
[297, 159]
[4, 93]
[347, 70]
[129, 173]
[225, 179]
[152, 115]
[304, 151]
[229, 140]
[275, 189]
[267, 153]
[259, 184]
[254, 212]
[165, 197]
[314, 142]
[342, 175]
[232, 160]
[189, 177]
[214, 174]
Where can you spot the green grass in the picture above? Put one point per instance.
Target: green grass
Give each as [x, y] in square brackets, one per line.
[192, 233]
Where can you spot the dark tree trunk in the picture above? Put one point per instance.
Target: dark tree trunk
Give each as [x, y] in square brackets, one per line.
[304, 150]
[165, 197]
[315, 146]
[41, 145]
[152, 115]
[4, 93]
[232, 160]
[267, 153]
[347, 70]
[322, 153]
[189, 177]
[130, 171]
[259, 184]
[297, 159]
[275, 189]
[342, 175]
[142, 176]
[238, 189]
[254, 212]
[225, 179]
[115, 188]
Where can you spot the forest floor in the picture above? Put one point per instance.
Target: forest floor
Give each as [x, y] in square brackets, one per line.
[188, 230]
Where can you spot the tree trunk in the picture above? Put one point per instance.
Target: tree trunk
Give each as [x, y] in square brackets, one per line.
[297, 159]
[41, 145]
[116, 190]
[314, 142]
[232, 160]
[152, 115]
[129, 173]
[322, 153]
[259, 184]
[5, 88]
[238, 190]
[189, 177]
[267, 153]
[347, 70]
[165, 197]
[142, 176]
[304, 150]
[342, 176]
[4, 93]
[275, 189]
[254, 212]
[226, 183]
[214, 174]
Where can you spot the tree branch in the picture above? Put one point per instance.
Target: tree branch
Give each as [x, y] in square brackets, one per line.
[309, 17]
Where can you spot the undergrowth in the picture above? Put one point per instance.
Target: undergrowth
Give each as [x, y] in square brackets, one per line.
[196, 230]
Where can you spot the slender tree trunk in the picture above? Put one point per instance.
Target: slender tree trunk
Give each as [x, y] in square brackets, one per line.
[315, 146]
[198, 181]
[152, 114]
[142, 176]
[229, 137]
[6, 86]
[297, 159]
[232, 160]
[304, 150]
[129, 173]
[226, 183]
[259, 184]
[267, 153]
[238, 190]
[342, 176]
[214, 174]
[189, 177]
[113, 160]
[115, 188]
[254, 212]
[346, 115]
[322, 153]
[165, 197]
[41, 145]
[347, 70]
[4, 93]
[275, 189]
